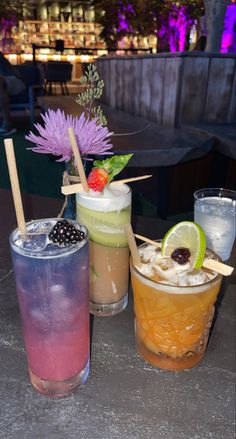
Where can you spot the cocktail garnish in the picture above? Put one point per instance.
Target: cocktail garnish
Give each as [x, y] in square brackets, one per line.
[98, 179]
[114, 165]
[189, 235]
[181, 255]
[65, 234]
[74, 188]
[210, 264]
[104, 171]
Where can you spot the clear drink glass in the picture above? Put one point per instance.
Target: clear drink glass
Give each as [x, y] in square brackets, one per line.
[172, 323]
[105, 215]
[215, 212]
[53, 291]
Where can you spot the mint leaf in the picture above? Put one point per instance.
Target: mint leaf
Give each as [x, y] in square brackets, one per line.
[113, 165]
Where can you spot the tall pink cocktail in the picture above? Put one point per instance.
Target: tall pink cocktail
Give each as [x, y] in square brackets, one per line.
[53, 292]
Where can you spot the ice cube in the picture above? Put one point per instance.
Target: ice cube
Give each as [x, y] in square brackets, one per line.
[35, 242]
[57, 290]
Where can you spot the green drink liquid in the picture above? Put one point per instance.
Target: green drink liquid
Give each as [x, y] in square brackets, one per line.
[105, 216]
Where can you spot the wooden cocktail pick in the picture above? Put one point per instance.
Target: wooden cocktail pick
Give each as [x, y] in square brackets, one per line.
[11, 162]
[74, 188]
[210, 264]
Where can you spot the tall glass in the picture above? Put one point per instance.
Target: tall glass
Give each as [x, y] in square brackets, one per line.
[215, 211]
[52, 287]
[105, 215]
[172, 323]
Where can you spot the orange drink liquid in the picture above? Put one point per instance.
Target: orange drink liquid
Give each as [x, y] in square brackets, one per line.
[172, 322]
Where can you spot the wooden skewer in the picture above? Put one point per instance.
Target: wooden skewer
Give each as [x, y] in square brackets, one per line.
[210, 264]
[219, 267]
[149, 241]
[71, 189]
[129, 180]
[74, 188]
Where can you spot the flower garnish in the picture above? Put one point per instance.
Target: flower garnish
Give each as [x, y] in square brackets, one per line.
[91, 137]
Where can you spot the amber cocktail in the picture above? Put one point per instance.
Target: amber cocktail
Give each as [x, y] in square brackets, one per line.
[172, 322]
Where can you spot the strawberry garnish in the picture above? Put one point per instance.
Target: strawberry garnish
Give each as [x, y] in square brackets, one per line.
[97, 179]
[104, 171]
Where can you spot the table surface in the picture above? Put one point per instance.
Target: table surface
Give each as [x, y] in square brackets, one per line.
[124, 397]
[224, 135]
[153, 145]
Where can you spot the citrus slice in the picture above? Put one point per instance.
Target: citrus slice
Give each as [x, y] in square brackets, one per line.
[189, 235]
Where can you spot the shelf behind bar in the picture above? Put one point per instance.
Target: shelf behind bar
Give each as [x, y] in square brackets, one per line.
[87, 50]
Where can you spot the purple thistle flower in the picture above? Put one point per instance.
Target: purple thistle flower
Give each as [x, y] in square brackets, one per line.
[54, 139]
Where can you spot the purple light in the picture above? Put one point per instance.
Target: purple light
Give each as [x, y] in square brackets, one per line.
[176, 28]
[6, 24]
[122, 17]
[228, 43]
[123, 25]
[182, 25]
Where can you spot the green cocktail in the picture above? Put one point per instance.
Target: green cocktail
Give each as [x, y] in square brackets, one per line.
[105, 214]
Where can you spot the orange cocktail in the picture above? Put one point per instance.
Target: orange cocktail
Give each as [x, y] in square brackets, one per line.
[172, 322]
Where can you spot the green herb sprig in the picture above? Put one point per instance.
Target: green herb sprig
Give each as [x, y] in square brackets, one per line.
[93, 89]
[113, 165]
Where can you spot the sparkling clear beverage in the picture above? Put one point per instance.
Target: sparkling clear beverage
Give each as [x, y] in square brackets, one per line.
[174, 308]
[104, 215]
[217, 216]
[53, 290]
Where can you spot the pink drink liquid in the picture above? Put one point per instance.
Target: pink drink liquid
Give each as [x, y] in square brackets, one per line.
[52, 287]
[58, 354]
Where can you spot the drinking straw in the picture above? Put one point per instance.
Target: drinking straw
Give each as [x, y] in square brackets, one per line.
[68, 190]
[132, 246]
[11, 162]
[78, 160]
[210, 264]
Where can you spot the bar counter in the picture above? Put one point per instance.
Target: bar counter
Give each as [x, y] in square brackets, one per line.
[124, 397]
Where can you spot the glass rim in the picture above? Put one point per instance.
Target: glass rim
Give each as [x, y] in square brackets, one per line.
[155, 284]
[106, 203]
[220, 192]
[58, 251]
[121, 194]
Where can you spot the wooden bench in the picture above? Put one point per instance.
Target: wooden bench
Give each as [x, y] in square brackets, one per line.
[172, 89]
[184, 105]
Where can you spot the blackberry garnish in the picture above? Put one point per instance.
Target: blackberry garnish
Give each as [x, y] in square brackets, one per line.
[65, 234]
[181, 255]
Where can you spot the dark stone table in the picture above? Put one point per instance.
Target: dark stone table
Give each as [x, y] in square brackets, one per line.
[153, 145]
[124, 397]
[224, 136]
[157, 148]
